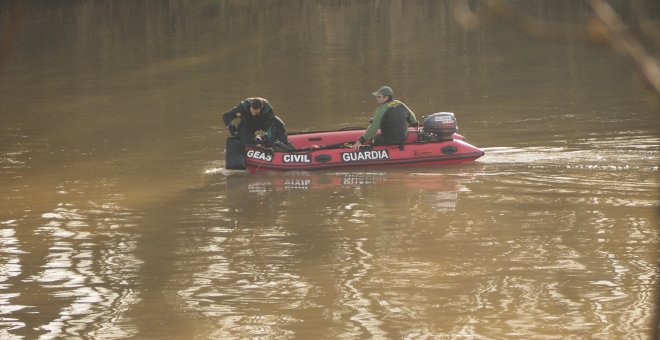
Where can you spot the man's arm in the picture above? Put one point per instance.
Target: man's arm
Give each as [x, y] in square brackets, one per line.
[229, 115]
[410, 117]
[375, 124]
[233, 119]
[267, 109]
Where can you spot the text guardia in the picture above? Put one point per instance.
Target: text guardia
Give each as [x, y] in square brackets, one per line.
[360, 156]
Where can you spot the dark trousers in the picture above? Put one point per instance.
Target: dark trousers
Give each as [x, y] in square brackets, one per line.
[235, 154]
[380, 140]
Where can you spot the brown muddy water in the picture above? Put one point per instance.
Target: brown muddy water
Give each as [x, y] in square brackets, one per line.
[118, 220]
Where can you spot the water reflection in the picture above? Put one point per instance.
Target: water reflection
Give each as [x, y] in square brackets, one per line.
[307, 181]
[10, 267]
[273, 256]
[107, 227]
[401, 254]
[84, 263]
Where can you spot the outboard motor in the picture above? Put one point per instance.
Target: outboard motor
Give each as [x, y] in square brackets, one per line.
[439, 126]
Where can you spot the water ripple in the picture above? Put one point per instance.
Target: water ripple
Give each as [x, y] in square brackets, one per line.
[88, 262]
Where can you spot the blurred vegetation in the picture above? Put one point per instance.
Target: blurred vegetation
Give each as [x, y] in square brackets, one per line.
[10, 17]
[628, 27]
[164, 30]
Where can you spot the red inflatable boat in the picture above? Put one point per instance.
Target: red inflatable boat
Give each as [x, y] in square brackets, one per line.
[436, 143]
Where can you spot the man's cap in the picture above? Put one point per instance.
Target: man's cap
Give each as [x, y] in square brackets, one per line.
[384, 91]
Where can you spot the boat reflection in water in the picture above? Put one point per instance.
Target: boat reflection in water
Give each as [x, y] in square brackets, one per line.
[440, 189]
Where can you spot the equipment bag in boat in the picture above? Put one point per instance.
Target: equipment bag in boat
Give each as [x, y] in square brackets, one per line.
[235, 154]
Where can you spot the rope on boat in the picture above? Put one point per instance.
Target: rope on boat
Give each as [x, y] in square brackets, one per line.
[350, 128]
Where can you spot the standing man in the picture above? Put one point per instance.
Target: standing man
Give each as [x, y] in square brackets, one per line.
[251, 122]
[392, 117]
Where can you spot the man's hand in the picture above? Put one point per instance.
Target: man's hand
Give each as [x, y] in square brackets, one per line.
[233, 126]
[235, 122]
[357, 145]
[260, 137]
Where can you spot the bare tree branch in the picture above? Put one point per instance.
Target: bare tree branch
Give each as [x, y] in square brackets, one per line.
[619, 36]
[605, 25]
[534, 26]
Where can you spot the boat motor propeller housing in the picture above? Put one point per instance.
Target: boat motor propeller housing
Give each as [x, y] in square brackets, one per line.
[441, 124]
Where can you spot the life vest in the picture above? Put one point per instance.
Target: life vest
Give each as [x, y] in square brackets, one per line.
[394, 124]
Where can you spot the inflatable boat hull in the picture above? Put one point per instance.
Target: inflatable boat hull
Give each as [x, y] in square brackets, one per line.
[331, 150]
